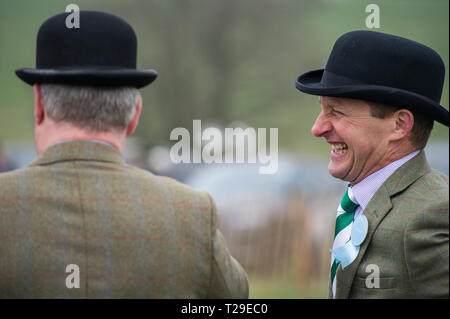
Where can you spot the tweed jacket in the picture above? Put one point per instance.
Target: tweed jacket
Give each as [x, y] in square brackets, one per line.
[407, 242]
[78, 211]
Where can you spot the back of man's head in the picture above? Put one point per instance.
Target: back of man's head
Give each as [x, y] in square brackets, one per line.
[72, 112]
[86, 81]
[94, 109]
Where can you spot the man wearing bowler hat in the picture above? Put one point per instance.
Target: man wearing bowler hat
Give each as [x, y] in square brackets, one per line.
[380, 95]
[79, 222]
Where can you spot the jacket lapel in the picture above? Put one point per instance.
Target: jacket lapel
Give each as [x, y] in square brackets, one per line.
[375, 211]
[378, 207]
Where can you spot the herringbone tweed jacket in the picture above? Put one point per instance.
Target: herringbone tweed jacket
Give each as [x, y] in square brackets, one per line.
[130, 233]
[407, 240]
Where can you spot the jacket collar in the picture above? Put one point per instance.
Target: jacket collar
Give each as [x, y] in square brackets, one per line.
[79, 150]
[377, 208]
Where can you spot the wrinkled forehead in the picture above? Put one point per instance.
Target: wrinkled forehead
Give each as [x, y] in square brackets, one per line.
[355, 107]
[341, 101]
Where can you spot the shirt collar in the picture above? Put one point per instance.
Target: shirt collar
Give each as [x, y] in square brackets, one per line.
[365, 189]
[90, 140]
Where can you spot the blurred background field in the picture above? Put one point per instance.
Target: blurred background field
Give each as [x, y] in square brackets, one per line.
[233, 63]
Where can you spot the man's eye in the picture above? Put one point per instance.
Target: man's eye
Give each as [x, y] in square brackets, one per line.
[337, 112]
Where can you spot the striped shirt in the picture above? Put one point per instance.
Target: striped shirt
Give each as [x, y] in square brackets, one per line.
[365, 189]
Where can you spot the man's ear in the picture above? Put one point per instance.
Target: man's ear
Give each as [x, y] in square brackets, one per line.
[134, 122]
[403, 124]
[39, 111]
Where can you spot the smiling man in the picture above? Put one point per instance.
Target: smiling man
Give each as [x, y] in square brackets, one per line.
[380, 95]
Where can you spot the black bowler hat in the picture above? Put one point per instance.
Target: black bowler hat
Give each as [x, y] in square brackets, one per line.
[101, 52]
[383, 68]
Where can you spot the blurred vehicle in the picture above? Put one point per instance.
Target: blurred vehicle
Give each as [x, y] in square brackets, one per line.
[6, 161]
[437, 155]
[274, 223]
[247, 199]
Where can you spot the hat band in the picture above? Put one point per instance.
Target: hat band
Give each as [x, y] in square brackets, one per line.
[333, 79]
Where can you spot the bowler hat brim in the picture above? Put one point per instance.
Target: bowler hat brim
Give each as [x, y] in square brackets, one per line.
[88, 76]
[310, 83]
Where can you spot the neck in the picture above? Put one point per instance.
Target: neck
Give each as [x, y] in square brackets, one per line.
[391, 156]
[54, 133]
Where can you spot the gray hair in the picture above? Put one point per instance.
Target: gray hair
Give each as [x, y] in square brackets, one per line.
[96, 109]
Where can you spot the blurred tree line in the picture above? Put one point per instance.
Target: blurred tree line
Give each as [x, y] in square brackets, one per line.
[202, 55]
[221, 61]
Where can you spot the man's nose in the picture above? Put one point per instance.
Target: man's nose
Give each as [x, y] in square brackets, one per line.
[321, 126]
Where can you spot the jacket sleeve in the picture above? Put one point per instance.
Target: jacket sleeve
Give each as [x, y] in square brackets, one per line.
[426, 251]
[228, 278]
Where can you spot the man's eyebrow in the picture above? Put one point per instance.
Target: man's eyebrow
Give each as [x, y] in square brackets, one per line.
[342, 102]
[332, 103]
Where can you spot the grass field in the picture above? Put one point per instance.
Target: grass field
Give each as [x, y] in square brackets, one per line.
[273, 288]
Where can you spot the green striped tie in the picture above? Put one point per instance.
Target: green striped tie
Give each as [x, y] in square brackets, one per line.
[344, 220]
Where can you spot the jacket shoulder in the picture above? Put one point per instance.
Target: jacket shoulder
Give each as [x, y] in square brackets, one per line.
[171, 186]
[430, 187]
[11, 178]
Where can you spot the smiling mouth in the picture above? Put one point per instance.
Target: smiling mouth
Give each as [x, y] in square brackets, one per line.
[339, 148]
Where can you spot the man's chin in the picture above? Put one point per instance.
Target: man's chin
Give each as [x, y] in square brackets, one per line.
[337, 173]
